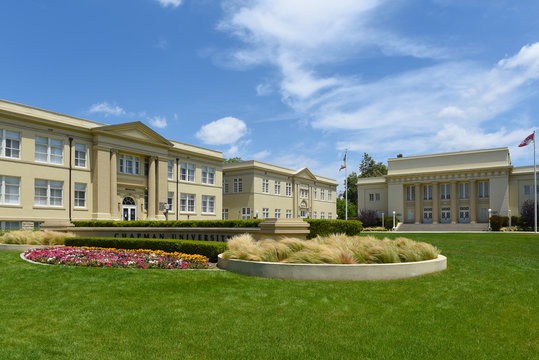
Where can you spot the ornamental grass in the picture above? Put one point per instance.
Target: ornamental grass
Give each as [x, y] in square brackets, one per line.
[333, 249]
[31, 237]
[102, 257]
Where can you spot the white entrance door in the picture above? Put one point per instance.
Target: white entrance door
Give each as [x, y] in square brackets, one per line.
[445, 217]
[427, 216]
[464, 215]
[129, 209]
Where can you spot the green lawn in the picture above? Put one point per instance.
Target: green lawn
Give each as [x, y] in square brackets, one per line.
[484, 306]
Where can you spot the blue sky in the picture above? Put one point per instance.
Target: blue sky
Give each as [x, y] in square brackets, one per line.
[290, 82]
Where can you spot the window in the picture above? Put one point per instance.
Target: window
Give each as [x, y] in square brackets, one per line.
[10, 189]
[410, 193]
[322, 194]
[322, 215]
[277, 188]
[48, 193]
[10, 225]
[289, 214]
[371, 197]
[464, 190]
[277, 213]
[265, 186]
[427, 192]
[315, 193]
[288, 189]
[483, 213]
[80, 155]
[330, 216]
[245, 213]
[146, 166]
[482, 189]
[208, 175]
[80, 195]
[208, 204]
[303, 214]
[129, 164]
[527, 190]
[238, 185]
[303, 193]
[330, 195]
[225, 186]
[445, 191]
[225, 214]
[187, 203]
[170, 201]
[187, 172]
[10, 144]
[265, 213]
[315, 215]
[376, 197]
[170, 170]
[49, 150]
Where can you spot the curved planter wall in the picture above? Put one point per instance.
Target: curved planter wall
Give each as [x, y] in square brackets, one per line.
[333, 272]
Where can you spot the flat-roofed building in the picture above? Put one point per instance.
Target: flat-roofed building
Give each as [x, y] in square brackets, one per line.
[59, 167]
[257, 189]
[453, 187]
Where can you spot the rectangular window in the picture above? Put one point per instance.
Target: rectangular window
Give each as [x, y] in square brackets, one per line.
[49, 150]
[10, 144]
[303, 193]
[376, 197]
[330, 195]
[330, 216]
[10, 189]
[265, 213]
[225, 214]
[527, 190]
[80, 195]
[187, 203]
[371, 197]
[315, 215]
[238, 187]
[187, 172]
[245, 213]
[48, 193]
[10, 225]
[427, 192]
[322, 194]
[208, 204]
[265, 186]
[482, 189]
[170, 201]
[129, 164]
[80, 155]
[464, 190]
[410, 193]
[483, 214]
[225, 186]
[315, 193]
[322, 215]
[277, 213]
[146, 200]
[277, 188]
[289, 214]
[208, 175]
[170, 170]
[445, 191]
[146, 166]
[288, 189]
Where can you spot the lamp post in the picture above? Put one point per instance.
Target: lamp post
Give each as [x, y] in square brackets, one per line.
[509, 211]
[393, 220]
[489, 216]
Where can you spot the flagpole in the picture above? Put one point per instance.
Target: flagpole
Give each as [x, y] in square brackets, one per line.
[346, 186]
[534, 185]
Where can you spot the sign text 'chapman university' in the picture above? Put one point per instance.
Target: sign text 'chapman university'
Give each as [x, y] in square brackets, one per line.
[170, 235]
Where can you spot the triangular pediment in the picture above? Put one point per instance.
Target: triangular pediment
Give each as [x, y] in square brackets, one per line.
[305, 174]
[133, 130]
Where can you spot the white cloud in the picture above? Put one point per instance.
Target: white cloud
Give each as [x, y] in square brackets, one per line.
[261, 155]
[158, 122]
[171, 3]
[107, 109]
[224, 131]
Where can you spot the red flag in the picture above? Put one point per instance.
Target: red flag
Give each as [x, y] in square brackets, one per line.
[527, 140]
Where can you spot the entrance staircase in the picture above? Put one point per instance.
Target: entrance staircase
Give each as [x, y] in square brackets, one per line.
[442, 227]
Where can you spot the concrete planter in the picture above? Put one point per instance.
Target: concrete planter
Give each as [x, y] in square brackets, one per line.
[333, 272]
[18, 247]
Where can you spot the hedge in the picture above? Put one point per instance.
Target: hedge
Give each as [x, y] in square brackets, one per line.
[497, 222]
[207, 248]
[319, 227]
[171, 223]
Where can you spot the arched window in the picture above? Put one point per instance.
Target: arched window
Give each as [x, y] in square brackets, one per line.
[128, 201]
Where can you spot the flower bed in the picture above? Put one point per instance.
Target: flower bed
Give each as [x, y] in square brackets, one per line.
[102, 257]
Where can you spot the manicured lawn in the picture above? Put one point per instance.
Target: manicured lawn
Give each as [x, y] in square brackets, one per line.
[485, 306]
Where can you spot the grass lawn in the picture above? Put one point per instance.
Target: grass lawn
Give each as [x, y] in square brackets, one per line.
[484, 306]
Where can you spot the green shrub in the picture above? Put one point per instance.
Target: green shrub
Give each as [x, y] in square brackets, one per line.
[209, 249]
[497, 222]
[171, 223]
[388, 222]
[32, 237]
[321, 227]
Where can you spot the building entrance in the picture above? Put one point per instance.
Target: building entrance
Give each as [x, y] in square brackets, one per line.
[445, 217]
[427, 216]
[129, 209]
[464, 215]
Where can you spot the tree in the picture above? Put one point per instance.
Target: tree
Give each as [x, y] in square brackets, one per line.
[233, 160]
[352, 188]
[370, 168]
[528, 216]
[341, 206]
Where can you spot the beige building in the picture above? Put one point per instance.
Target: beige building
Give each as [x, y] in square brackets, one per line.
[256, 189]
[455, 187]
[59, 167]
